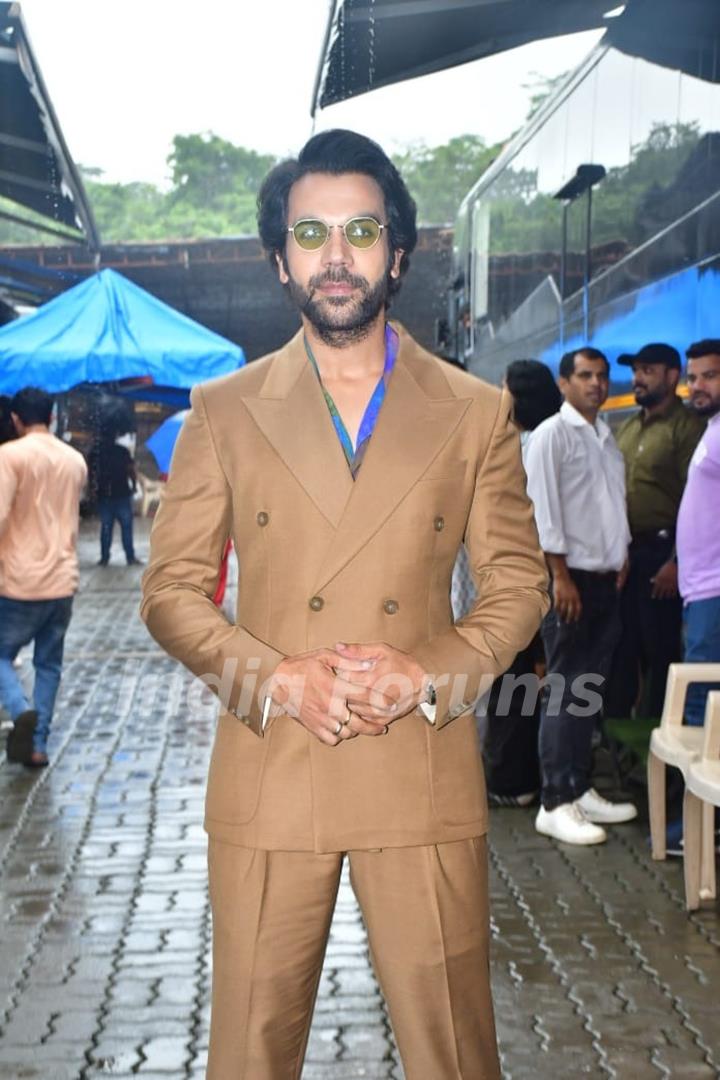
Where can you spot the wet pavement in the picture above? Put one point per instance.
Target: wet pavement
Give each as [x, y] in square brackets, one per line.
[105, 927]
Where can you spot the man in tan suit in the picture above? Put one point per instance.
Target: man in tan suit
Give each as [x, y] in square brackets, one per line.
[348, 468]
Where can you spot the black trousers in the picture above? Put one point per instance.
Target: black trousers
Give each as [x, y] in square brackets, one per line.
[651, 634]
[510, 747]
[578, 656]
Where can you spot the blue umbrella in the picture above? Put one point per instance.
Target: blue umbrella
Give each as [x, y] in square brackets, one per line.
[162, 441]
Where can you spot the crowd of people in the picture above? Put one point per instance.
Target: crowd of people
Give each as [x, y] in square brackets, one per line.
[348, 690]
[628, 523]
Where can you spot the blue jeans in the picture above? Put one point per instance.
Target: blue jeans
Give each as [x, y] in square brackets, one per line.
[111, 509]
[45, 623]
[701, 630]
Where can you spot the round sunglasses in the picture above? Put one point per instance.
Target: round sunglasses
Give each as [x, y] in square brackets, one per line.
[360, 232]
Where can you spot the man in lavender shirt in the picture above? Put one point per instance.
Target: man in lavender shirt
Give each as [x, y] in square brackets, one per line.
[698, 535]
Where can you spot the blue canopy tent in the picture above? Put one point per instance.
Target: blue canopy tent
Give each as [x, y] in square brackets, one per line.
[107, 329]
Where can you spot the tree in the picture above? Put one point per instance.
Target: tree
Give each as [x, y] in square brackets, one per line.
[540, 88]
[213, 193]
[440, 176]
[13, 233]
[126, 212]
[206, 168]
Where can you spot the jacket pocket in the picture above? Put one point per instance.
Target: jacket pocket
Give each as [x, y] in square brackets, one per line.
[236, 771]
[457, 778]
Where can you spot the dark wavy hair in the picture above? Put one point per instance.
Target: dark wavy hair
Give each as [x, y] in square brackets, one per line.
[535, 393]
[337, 152]
[706, 347]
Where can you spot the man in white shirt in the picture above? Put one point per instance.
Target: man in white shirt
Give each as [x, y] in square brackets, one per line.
[576, 479]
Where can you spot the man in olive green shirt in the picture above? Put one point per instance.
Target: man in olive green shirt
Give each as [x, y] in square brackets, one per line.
[657, 444]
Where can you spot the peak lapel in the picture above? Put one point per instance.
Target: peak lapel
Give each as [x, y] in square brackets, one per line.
[293, 416]
[412, 428]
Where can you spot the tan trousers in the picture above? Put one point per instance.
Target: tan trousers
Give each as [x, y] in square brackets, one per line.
[426, 913]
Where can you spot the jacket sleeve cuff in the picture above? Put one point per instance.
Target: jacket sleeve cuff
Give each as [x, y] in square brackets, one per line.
[459, 674]
[248, 701]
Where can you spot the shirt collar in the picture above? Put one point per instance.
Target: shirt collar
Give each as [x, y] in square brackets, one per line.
[572, 417]
[671, 407]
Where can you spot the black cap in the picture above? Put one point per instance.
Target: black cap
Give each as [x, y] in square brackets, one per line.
[657, 353]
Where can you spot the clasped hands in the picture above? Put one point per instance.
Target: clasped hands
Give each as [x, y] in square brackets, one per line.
[348, 690]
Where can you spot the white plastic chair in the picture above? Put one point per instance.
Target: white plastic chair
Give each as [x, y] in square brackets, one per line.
[673, 743]
[702, 795]
[151, 492]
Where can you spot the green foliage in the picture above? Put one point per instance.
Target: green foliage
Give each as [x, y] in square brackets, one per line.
[540, 88]
[13, 233]
[628, 206]
[127, 211]
[214, 185]
[206, 169]
[440, 176]
[213, 193]
[625, 206]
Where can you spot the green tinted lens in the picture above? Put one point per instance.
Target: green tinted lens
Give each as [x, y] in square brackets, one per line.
[362, 232]
[310, 235]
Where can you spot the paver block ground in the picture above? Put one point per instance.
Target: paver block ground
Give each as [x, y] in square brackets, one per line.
[105, 959]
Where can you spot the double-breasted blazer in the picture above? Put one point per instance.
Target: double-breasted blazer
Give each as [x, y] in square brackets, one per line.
[323, 558]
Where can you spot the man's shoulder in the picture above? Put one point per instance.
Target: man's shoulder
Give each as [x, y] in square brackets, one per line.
[438, 376]
[628, 425]
[686, 419]
[445, 376]
[17, 452]
[68, 451]
[246, 381]
[464, 384]
[276, 369]
[711, 437]
[550, 429]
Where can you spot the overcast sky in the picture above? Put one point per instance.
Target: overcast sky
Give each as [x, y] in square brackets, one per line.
[127, 75]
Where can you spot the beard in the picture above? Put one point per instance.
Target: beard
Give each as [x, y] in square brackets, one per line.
[645, 397]
[703, 405]
[340, 321]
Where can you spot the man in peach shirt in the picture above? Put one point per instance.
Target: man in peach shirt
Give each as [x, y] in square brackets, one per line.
[41, 479]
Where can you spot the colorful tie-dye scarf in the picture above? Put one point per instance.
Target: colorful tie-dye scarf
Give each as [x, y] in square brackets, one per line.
[354, 456]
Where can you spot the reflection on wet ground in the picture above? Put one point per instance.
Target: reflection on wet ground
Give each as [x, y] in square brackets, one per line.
[105, 930]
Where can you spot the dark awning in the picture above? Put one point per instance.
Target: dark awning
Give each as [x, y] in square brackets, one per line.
[682, 35]
[36, 170]
[374, 43]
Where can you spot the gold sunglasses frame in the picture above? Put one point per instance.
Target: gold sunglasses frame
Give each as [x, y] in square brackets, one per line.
[356, 247]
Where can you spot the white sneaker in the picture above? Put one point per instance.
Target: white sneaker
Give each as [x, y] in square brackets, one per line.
[596, 808]
[568, 824]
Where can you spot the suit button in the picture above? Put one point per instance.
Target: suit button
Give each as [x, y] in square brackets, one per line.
[390, 607]
[439, 523]
[317, 603]
[263, 518]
